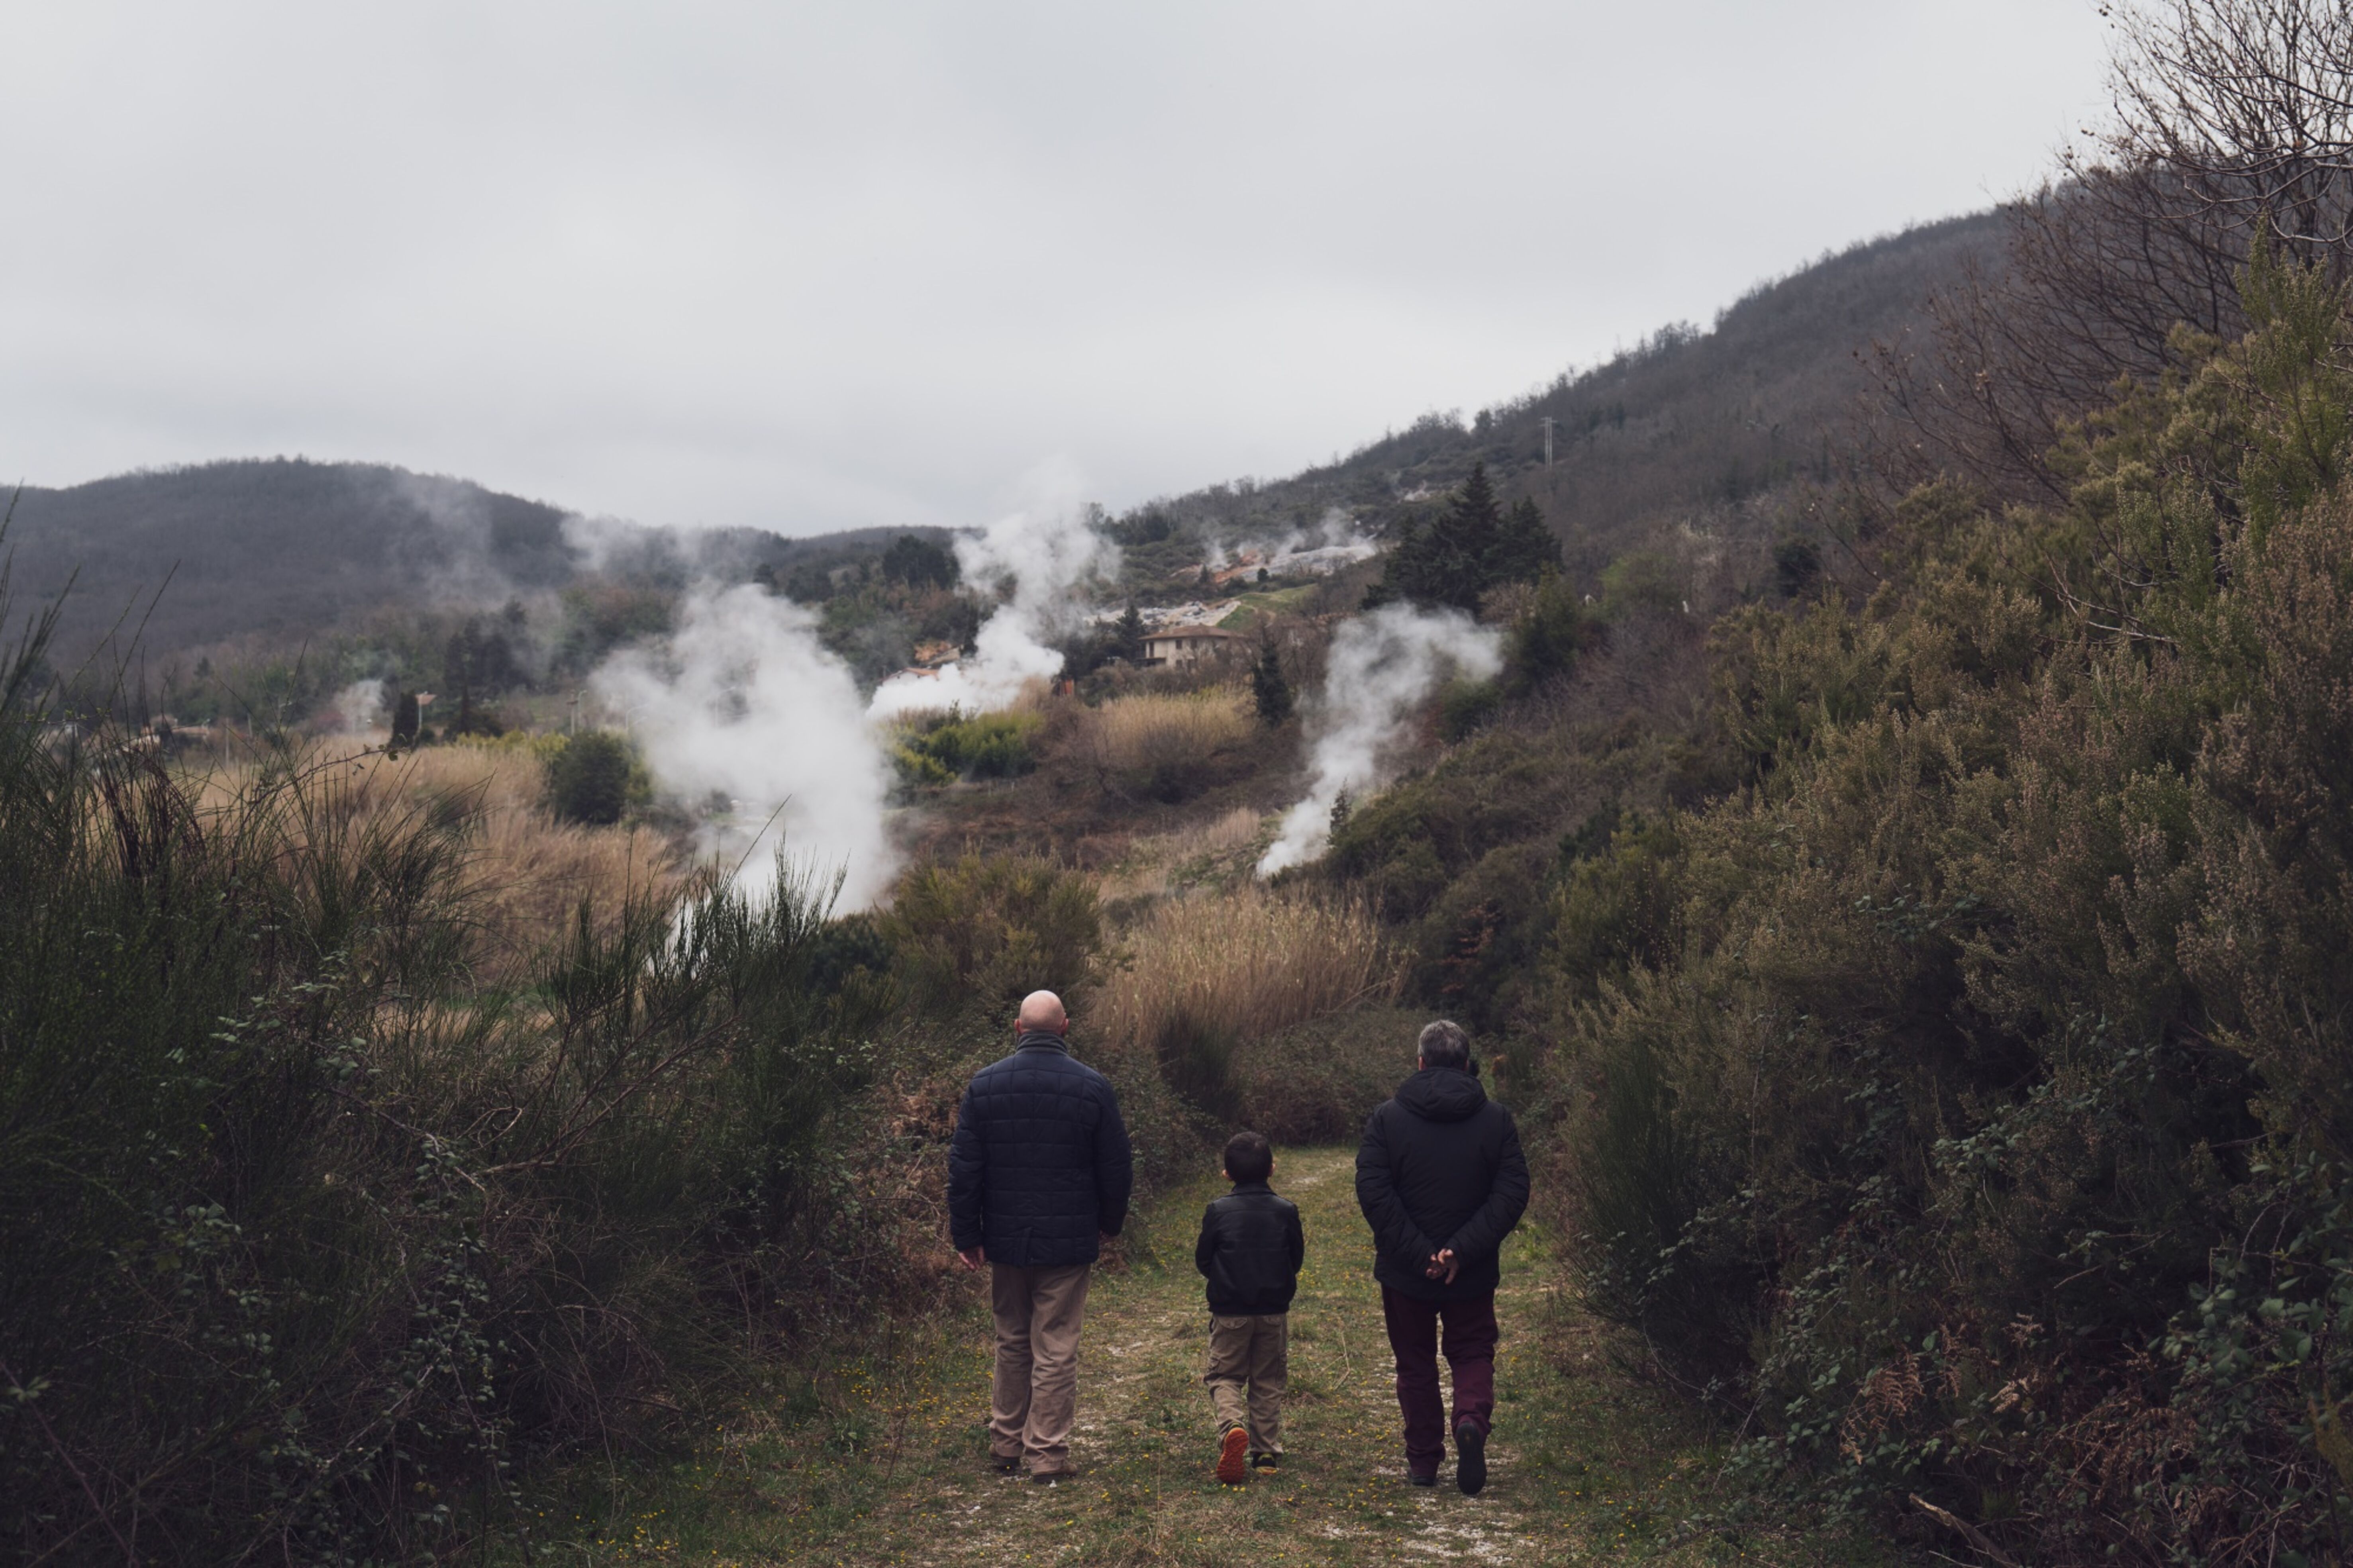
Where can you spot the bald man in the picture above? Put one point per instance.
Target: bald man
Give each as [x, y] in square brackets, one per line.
[1037, 1181]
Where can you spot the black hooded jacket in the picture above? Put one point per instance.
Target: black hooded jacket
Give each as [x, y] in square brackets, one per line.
[1441, 1167]
[1251, 1251]
[1041, 1162]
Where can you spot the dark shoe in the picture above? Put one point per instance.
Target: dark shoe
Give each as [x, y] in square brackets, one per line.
[1233, 1450]
[1469, 1457]
[1004, 1464]
[1265, 1461]
[1051, 1478]
[1428, 1480]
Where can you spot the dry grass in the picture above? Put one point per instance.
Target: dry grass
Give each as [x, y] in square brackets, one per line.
[526, 873]
[1155, 729]
[1242, 965]
[1218, 851]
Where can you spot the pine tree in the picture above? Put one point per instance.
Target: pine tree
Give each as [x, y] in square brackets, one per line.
[1129, 633]
[403, 718]
[1526, 547]
[1449, 559]
[1269, 688]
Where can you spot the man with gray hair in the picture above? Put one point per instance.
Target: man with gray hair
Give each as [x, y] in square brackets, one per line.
[1442, 1181]
[1038, 1178]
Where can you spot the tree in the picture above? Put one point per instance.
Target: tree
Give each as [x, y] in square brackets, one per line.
[403, 718]
[1128, 634]
[2231, 117]
[1526, 547]
[589, 780]
[918, 562]
[1269, 688]
[1469, 548]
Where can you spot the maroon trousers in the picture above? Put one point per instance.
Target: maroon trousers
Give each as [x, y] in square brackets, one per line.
[1470, 1344]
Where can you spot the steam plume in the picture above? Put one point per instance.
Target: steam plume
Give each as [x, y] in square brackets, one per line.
[744, 703]
[1038, 557]
[1383, 666]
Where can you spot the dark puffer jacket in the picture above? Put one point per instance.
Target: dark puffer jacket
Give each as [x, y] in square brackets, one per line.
[1041, 1162]
[1441, 1167]
[1250, 1249]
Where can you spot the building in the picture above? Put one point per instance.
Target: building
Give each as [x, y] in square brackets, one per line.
[1183, 645]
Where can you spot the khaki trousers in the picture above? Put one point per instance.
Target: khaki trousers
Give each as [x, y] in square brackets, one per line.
[1252, 1354]
[1036, 1393]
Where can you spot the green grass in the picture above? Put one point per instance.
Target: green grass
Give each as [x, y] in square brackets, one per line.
[1264, 602]
[884, 1461]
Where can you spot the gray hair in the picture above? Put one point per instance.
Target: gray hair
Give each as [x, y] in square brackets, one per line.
[1444, 1044]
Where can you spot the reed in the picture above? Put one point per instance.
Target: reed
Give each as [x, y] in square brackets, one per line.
[1155, 729]
[1207, 975]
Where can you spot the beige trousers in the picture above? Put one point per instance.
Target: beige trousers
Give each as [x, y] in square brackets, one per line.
[1035, 1394]
[1252, 1354]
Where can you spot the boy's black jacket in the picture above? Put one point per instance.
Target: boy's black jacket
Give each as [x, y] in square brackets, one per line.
[1251, 1248]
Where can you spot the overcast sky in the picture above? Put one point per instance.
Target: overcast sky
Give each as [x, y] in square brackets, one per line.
[806, 266]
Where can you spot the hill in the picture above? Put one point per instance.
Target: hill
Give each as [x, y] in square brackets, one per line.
[1718, 422]
[282, 548]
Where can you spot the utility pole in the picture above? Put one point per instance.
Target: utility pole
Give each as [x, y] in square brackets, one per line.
[1548, 422]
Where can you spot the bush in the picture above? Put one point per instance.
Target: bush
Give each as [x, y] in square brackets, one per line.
[303, 1243]
[1317, 1082]
[984, 932]
[988, 746]
[1546, 637]
[589, 781]
[1966, 1103]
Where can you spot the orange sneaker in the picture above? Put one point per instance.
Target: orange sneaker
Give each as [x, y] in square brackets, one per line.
[1233, 1457]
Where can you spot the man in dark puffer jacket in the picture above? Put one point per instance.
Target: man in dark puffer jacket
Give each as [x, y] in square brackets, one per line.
[1442, 1181]
[1037, 1181]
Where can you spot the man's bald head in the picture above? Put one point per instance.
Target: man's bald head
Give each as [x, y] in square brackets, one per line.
[1041, 1014]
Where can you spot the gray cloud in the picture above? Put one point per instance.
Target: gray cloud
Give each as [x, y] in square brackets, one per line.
[806, 266]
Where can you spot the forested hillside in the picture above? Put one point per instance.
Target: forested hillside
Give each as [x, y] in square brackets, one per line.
[275, 551]
[1719, 423]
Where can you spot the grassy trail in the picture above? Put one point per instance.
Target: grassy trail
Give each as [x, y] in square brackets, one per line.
[889, 1466]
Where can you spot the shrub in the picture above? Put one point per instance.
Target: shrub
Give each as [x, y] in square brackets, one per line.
[302, 1242]
[1317, 1082]
[988, 746]
[986, 931]
[1546, 637]
[589, 779]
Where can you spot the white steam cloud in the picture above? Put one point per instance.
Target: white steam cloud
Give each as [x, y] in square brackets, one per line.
[1335, 542]
[1039, 558]
[1383, 666]
[360, 707]
[744, 703]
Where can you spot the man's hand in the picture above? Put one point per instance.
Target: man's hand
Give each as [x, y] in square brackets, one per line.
[1442, 1267]
[974, 1259]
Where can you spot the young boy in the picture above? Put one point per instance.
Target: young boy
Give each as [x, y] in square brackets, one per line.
[1250, 1249]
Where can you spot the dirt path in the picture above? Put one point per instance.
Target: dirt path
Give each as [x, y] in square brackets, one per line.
[890, 1467]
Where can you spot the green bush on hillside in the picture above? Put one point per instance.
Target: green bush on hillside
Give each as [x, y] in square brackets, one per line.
[1966, 1101]
[594, 778]
[986, 746]
[986, 931]
[313, 1243]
